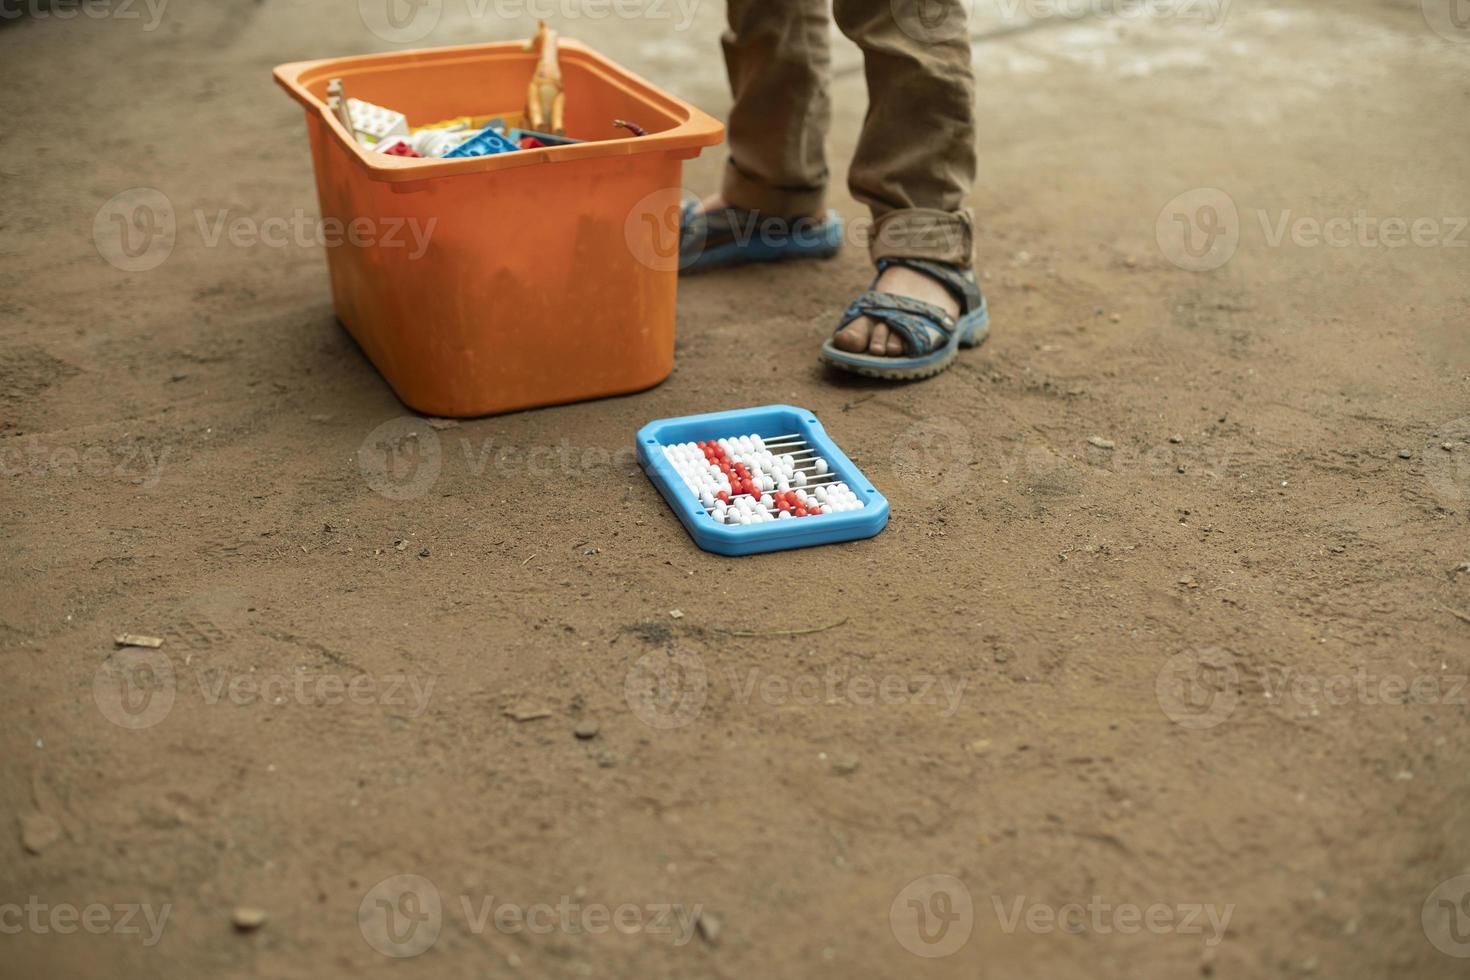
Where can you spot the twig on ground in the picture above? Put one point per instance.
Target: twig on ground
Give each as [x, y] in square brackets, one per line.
[1455, 613]
[800, 632]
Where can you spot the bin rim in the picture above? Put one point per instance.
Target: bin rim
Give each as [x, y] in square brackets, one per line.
[697, 129]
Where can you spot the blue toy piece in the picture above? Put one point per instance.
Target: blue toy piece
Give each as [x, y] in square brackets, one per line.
[770, 422]
[483, 144]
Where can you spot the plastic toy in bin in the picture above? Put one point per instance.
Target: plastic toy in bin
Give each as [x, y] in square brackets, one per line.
[396, 146]
[484, 143]
[374, 121]
[759, 479]
[546, 102]
[543, 139]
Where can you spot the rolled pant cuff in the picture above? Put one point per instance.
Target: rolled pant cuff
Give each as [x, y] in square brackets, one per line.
[743, 191]
[924, 233]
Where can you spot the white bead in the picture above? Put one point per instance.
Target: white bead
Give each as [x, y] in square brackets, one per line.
[783, 515]
[821, 466]
[800, 478]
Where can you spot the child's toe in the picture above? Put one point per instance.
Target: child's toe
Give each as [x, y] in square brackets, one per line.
[852, 338]
[878, 343]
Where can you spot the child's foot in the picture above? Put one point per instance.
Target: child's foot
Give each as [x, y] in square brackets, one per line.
[714, 233]
[867, 336]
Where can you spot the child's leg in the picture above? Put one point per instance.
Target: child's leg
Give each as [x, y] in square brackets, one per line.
[777, 57]
[915, 158]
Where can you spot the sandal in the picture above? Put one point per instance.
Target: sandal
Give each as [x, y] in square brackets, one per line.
[931, 337]
[735, 236]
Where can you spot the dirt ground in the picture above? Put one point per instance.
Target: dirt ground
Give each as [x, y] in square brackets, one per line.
[1157, 671]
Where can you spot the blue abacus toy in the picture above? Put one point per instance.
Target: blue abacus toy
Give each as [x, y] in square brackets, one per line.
[759, 479]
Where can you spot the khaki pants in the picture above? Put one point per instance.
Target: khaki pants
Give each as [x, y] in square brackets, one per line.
[915, 158]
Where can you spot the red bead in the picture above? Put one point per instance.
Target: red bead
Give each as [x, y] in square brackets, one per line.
[722, 495]
[801, 512]
[814, 511]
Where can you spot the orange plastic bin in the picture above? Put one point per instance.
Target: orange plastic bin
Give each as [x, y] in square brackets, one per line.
[494, 283]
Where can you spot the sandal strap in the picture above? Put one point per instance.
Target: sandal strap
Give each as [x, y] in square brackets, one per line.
[959, 280]
[924, 326]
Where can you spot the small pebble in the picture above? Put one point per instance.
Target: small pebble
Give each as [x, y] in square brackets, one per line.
[586, 728]
[1176, 439]
[1100, 442]
[1405, 454]
[709, 928]
[38, 832]
[845, 764]
[248, 919]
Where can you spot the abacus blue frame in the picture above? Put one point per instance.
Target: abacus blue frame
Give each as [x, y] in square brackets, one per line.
[751, 539]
